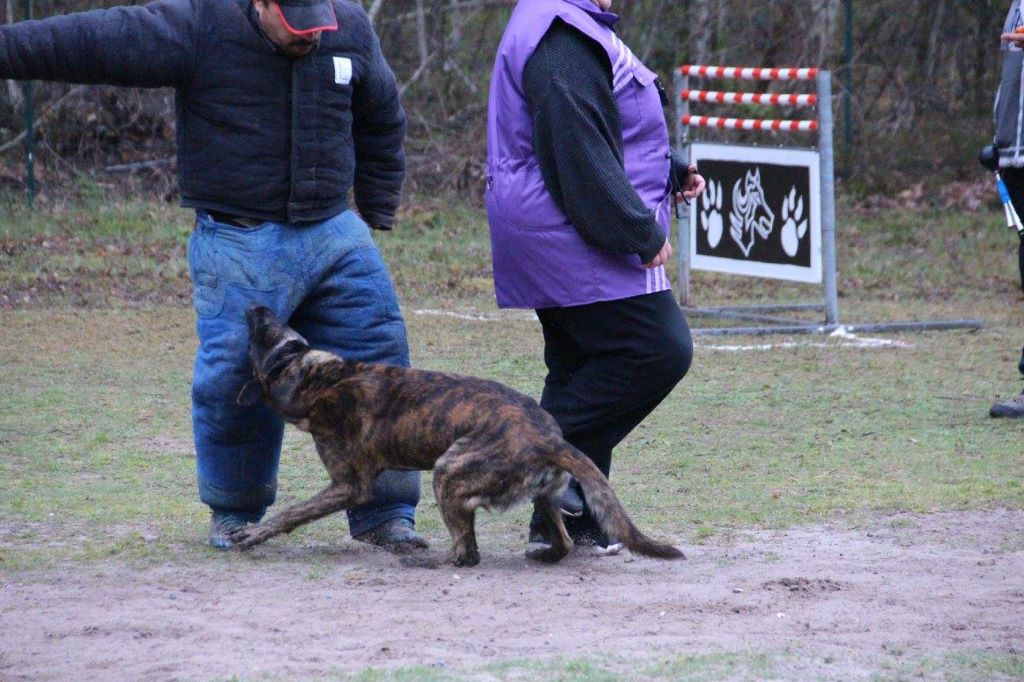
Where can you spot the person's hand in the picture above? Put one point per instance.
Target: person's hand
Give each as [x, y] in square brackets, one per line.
[694, 186]
[1016, 37]
[663, 256]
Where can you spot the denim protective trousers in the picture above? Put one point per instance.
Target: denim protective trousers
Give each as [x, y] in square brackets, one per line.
[329, 281]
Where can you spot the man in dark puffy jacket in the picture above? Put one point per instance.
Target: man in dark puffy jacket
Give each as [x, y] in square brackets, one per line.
[282, 108]
[1009, 140]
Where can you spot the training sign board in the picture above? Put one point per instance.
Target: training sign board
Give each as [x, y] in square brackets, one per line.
[760, 214]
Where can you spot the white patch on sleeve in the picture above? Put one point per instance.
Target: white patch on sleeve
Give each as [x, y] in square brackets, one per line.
[342, 70]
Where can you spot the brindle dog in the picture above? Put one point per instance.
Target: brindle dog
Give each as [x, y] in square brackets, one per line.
[489, 446]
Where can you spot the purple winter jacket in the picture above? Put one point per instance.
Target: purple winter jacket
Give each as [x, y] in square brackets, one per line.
[539, 259]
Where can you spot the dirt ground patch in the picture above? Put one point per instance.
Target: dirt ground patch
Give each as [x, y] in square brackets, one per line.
[834, 601]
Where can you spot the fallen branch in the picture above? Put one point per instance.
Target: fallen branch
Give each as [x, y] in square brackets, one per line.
[51, 108]
[140, 165]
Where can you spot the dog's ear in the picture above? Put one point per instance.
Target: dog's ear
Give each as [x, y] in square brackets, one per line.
[280, 357]
[251, 393]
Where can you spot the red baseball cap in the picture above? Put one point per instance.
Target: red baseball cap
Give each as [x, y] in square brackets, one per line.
[302, 17]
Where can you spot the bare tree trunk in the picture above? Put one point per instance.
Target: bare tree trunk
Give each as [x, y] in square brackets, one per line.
[13, 91]
[655, 29]
[375, 10]
[421, 33]
[931, 57]
[701, 29]
[827, 24]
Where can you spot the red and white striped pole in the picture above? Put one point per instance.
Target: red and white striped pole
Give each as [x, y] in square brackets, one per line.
[750, 123]
[767, 98]
[748, 73]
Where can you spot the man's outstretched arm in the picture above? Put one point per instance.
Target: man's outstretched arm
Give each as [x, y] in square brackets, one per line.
[142, 46]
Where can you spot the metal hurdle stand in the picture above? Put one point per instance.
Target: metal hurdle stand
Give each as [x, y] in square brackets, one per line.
[821, 266]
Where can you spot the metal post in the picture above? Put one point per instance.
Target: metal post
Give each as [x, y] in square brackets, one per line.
[828, 197]
[683, 222]
[30, 125]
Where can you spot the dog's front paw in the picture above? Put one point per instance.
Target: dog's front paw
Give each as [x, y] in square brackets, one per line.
[249, 536]
[467, 558]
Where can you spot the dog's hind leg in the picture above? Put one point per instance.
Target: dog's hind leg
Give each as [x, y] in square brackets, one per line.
[457, 478]
[334, 498]
[561, 543]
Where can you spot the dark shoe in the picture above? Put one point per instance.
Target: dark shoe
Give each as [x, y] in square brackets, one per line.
[582, 530]
[590, 538]
[396, 535]
[570, 502]
[1014, 407]
[223, 523]
[539, 536]
[585, 532]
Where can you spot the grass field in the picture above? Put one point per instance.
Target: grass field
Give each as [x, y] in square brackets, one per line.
[96, 343]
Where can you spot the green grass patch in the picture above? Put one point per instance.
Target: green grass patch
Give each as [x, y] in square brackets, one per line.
[735, 665]
[95, 427]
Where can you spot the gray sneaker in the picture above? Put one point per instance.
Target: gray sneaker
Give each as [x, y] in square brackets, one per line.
[396, 535]
[1014, 407]
[223, 523]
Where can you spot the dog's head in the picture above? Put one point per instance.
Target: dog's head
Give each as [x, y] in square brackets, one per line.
[275, 351]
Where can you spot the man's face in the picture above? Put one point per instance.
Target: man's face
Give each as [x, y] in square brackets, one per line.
[293, 45]
[605, 5]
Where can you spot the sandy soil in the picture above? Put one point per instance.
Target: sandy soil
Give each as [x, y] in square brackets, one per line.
[837, 601]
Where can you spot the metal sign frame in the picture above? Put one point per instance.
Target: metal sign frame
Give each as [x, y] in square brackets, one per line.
[823, 125]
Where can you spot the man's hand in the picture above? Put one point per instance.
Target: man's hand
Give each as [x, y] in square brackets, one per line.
[694, 186]
[664, 255]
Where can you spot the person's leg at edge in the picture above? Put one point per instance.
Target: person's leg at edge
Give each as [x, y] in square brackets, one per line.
[237, 448]
[353, 311]
[1014, 179]
[610, 364]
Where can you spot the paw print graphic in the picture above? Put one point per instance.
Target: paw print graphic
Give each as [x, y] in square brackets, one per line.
[793, 230]
[711, 213]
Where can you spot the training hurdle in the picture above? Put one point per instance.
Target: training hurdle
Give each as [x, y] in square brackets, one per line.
[740, 231]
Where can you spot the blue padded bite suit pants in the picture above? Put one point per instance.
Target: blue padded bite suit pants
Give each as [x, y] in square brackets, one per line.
[329, 281]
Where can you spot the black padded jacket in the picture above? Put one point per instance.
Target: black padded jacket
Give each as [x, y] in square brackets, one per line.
[259, 134]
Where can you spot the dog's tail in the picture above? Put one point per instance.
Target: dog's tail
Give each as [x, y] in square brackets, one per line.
[607, 510]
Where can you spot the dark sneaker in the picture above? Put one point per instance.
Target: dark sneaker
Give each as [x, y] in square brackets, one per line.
[583, 531]
[1014, 407]
[396, 535]
[223, 523]
[539, 535]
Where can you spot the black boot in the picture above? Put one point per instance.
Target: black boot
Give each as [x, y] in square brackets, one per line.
[1012, 408]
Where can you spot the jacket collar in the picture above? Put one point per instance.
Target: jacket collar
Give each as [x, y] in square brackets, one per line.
[588, 6]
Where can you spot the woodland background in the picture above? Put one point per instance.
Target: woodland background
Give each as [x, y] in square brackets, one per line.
[911, 112]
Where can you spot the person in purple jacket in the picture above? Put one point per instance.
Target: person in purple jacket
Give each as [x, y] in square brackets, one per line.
[581, 182]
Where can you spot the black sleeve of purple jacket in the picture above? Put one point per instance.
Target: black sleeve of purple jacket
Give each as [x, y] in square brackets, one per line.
[577, 138]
